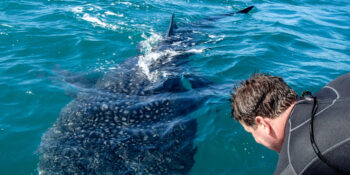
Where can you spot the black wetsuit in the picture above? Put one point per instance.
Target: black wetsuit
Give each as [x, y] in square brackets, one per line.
[331, 132]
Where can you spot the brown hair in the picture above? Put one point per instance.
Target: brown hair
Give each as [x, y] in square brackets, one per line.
[261, 95]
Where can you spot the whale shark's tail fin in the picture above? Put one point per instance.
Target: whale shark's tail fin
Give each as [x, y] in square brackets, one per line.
[246, 10]
[216, 17]
[172, 26]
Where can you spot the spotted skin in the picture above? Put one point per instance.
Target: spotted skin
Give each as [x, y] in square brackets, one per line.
[105, 133]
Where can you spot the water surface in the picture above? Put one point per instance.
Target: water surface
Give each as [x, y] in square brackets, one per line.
[44, 44]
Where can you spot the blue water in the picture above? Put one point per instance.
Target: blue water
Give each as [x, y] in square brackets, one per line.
[45, 44]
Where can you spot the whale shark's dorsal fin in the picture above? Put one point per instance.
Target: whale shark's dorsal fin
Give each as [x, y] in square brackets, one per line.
[172, 26]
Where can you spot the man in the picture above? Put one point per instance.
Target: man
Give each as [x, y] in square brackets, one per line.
[310, 133]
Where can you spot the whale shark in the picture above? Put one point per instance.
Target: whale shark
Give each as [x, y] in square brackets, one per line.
[136, 118]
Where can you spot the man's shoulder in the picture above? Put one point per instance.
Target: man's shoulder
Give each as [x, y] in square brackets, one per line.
[288, 170]
[332, 134]
[338, 88]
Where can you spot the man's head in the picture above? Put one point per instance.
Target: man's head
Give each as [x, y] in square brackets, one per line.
[262, 105]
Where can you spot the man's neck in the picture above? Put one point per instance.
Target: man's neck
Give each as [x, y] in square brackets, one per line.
[279, 124]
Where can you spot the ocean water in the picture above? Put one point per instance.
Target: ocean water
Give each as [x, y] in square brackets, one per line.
[46, 45]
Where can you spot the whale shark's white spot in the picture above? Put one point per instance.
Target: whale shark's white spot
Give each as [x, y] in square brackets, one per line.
[104, 107]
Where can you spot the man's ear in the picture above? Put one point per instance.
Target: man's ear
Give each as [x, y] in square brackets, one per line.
[264, 123]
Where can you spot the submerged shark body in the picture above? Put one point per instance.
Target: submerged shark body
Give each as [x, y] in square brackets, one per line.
[135, 120]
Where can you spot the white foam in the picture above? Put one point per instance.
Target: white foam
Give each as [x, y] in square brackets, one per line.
[7, 25]
[124, 3]
[196, 50]
[98, 22]
[146, 61]
[149, 42]
[88, 7]
[78, 9]
[143, 35]
[92, 19]
[216, 38]
[176, 43]
[92, 7]
[103, 65]
[98, 7]
[96, 15]
[220, 38]
[212, 36]
[114, 14]
[152, 57]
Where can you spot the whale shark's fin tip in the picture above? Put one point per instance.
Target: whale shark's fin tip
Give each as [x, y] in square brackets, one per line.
[246, 10]
[172, 26]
